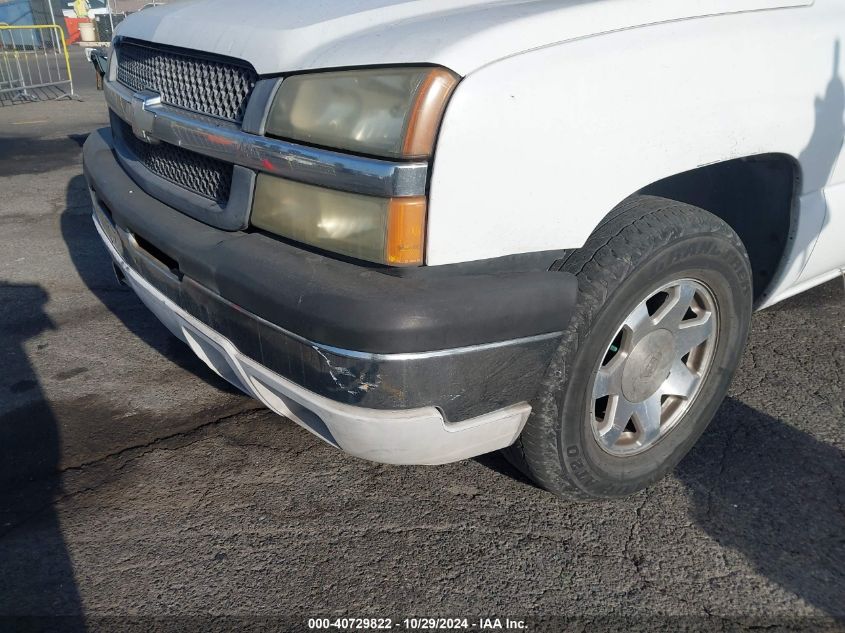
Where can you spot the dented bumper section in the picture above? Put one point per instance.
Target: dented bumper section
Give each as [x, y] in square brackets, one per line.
[411, 436]
[386, 404]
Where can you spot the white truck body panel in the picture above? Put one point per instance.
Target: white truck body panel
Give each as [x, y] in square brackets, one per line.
[537, 148]
[568, 107]
[278, 36]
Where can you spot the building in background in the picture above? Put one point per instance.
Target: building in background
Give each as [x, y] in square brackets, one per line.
[23, 12]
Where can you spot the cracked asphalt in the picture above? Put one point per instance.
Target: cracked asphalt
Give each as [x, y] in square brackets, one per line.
[136, 484]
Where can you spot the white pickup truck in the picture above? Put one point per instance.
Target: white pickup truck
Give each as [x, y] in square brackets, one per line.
[426, 230]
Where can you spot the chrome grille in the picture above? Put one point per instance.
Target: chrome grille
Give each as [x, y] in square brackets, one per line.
[191, 81]
[205, 176]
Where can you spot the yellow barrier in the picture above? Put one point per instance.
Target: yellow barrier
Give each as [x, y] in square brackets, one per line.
[34, 63]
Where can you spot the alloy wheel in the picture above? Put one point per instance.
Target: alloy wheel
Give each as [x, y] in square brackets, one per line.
[654, 367]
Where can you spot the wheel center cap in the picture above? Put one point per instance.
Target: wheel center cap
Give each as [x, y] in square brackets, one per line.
[648, 365]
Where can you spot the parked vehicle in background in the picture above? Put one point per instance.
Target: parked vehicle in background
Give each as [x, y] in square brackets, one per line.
[99, 58]
[425, 231]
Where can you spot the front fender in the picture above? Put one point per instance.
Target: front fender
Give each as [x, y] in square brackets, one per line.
[537, 148]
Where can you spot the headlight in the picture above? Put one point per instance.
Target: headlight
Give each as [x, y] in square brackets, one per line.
[388, 112]
[385, 230]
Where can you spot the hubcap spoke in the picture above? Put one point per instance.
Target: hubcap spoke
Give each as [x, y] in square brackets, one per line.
[693, 333]
[609, 379]
[616, 419]
[647, 418]
[681, 381]
[672, 312]
[639, 323]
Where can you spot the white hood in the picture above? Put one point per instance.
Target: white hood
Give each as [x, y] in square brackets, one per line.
[278, 36]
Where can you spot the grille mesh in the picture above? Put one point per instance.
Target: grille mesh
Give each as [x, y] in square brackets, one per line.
[208, 177]
[216, 88]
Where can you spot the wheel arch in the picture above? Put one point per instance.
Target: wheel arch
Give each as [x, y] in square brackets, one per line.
[757, 196]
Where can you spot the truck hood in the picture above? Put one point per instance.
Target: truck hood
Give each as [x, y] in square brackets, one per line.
[278, 36]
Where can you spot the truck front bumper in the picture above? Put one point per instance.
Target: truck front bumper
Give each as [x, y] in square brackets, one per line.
[402, 396]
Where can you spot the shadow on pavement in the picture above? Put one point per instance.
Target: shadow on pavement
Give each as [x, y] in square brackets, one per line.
[776, 495]
[761, 487]
[33, 581]
[94, 266]
[46, 93]
[33, 155]
[498, 463]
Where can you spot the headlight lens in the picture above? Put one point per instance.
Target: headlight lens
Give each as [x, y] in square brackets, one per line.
[384, 230]
[389, 112]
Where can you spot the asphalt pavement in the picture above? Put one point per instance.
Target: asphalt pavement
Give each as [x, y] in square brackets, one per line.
[135, 484]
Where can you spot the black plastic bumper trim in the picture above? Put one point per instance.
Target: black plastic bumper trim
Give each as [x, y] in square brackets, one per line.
[336, 303]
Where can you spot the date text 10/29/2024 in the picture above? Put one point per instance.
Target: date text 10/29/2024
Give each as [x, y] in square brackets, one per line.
[417, 624]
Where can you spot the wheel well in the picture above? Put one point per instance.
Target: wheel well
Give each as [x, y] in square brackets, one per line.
[755, 196]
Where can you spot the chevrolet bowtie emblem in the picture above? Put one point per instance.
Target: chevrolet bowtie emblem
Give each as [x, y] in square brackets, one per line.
[143, 116]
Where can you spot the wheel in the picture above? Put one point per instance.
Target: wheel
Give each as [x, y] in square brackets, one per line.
[662, 319]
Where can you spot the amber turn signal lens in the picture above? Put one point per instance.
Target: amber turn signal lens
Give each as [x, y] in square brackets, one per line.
[427, 112]
[383, 230]
[406, 231]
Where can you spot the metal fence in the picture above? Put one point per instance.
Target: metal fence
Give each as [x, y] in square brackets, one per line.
[34, 63]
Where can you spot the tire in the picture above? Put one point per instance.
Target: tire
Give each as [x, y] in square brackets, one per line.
[645, 244]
